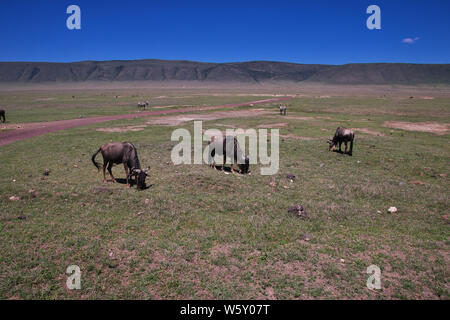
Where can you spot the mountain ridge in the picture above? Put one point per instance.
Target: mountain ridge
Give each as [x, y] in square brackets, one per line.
[247, 72]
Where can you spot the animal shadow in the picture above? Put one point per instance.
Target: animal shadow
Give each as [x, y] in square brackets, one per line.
[226, 169]
[342, 152]
[132, 183]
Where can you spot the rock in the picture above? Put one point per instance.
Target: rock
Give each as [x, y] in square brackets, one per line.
[273, 184]
[139, 213]
[378, 211]
[298, 210]
[342, 261]
[14, 198]
[392, 210]
[291, 177]
[401, 184]
[322, 165]
[147, 201]
[445, 217]
[443, 175]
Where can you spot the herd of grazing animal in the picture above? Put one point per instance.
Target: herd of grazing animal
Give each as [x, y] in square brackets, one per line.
[126, 153]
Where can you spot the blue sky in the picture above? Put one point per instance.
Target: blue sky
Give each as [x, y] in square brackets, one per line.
[322, 31]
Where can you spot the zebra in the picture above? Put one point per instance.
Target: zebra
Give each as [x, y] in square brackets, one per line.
[142, 105]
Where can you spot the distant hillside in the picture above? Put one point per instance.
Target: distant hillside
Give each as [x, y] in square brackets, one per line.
[253, 72]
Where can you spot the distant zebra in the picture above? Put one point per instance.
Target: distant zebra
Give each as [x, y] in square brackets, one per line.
[142, 105]
[282, 109]
[2, 115]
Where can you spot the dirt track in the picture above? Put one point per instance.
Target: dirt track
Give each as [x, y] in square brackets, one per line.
[29, 130]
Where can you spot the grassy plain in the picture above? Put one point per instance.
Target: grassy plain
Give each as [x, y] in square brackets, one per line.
[202, 234]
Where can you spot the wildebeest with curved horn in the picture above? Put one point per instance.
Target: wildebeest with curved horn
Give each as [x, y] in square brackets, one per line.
[3, 115]
[342, 135]
[122, 152]
[228, 146]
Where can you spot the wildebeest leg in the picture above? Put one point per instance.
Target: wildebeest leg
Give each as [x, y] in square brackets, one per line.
[223, 163]
[104, 171]
[345, 147]
[351, 147]
[126, 173]
[110, 172]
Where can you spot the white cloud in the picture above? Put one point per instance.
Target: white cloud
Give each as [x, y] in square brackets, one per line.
[410, 40]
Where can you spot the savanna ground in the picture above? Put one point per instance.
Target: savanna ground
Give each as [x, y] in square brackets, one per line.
[197, 233]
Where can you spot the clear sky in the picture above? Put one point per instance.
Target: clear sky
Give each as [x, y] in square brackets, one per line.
[321, 31]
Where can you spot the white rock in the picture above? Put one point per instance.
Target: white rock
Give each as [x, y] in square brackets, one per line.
[392, 210]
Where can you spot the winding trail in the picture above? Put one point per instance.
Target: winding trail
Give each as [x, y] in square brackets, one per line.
[28, 130]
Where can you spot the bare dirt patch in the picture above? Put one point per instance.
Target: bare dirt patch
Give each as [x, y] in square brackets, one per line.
[431, 127]
[273, 125]
[176, 120]
[293, 136]
[122, 129]
[295, 117]
[369, 131]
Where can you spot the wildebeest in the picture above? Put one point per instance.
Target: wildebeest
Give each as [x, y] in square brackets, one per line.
[228, 146]
[282, 109]
[122, 152]
[342, 135]
[142, 105]
[3, 115]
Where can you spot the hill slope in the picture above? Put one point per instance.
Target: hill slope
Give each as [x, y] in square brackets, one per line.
[253, 72]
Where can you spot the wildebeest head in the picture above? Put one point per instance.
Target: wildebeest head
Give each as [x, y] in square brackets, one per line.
[243, 167]
[140, 177]
[331, 145]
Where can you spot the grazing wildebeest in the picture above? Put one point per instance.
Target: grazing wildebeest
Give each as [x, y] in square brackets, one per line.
[282, 109]
[142, 105]
[122, 152]
[3, 115]
[228, 146]
[342, 135]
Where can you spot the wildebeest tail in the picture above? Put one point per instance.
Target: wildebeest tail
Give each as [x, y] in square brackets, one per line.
[96, 164]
